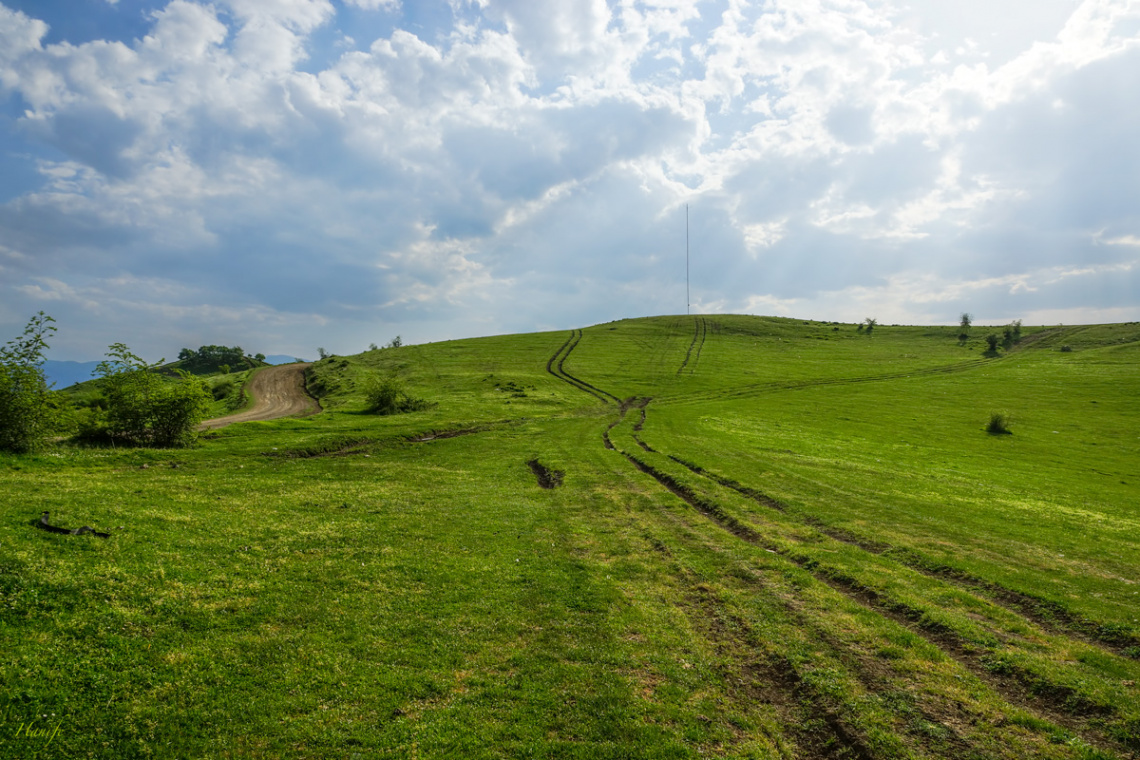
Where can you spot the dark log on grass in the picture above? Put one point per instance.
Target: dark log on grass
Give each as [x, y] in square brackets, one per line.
[46, 525]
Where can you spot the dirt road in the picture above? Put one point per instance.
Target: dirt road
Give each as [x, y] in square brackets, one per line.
[277, 392]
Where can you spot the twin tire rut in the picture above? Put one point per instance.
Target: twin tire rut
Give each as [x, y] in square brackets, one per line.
[1055, 703]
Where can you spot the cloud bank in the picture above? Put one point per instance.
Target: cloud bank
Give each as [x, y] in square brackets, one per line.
[292, 173]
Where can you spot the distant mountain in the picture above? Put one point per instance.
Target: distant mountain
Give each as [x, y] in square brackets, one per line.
[63, 374]
[283, 359]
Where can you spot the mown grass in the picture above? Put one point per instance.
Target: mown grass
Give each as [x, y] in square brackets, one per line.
[823, 555]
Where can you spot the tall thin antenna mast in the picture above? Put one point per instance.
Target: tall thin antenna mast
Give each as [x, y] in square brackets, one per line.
[686, 258]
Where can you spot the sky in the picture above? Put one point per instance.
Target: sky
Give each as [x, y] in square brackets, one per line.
[285, 175]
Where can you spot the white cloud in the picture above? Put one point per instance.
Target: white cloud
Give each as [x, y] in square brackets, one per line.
[527, 163]
[375, 5]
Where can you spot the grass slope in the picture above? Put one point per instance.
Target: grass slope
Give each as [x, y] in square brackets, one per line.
[771, 538]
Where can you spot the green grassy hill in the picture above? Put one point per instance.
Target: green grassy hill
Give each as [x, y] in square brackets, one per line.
[766, 538]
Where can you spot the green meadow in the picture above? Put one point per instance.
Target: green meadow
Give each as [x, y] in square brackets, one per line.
[765, 538]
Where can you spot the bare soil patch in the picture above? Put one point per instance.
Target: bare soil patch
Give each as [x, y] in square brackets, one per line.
[547, 477]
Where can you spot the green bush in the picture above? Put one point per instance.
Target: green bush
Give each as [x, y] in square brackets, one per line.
[222, 389]
[143, 408]
[999, 424]
[385, 394]
[27, 410]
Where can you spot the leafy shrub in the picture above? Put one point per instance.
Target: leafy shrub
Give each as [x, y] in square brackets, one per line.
[992, 341]
[385, 394]
[142, 407]
[26, 408]
[222, 390]
[999, 424]
[1066, 349]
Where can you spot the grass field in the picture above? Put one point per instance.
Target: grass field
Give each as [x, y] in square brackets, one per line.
[769, 538]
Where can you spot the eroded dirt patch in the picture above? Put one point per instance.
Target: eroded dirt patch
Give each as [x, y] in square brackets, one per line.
[547, 477]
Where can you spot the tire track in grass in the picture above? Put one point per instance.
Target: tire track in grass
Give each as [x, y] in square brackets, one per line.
[1058, 703]
[771, 677]
[1047, 615]
[752, 670]
[555, 366]
[700, 329]
[774, 680]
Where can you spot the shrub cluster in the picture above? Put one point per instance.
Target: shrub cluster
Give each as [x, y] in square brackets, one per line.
[385, 394]
[144, 408]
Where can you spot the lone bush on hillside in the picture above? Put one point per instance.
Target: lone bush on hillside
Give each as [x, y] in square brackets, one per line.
[26, 408]
[999, 424]
[992, 340]
[385, 394]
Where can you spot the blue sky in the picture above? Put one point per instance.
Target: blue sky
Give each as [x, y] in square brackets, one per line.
[288, 174]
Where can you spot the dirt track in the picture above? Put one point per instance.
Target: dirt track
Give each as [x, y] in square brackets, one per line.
[277, 392]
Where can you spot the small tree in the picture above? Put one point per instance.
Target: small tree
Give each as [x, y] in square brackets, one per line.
[992, 340]
[395, 342]
[322, 353]
[965, 321]
[26, 411]
[1012, 333]
[144, 408]
[870, 322]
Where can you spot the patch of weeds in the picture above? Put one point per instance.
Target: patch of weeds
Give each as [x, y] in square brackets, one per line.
[510, 386]
[998, 666]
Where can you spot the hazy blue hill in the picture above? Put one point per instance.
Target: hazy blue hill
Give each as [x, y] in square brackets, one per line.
[62, 373]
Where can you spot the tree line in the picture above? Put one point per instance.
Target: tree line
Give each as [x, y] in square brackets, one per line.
[223, 359]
